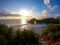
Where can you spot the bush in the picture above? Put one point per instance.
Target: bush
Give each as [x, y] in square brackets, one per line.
[9, 36]
[26, 37]
[51, 31]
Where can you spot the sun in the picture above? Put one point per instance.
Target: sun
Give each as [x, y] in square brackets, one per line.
[24, 12]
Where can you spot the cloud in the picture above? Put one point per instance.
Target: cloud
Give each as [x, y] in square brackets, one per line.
[7, 13]
[50, 7]
[45, 14]
[54, 7]
[9, 17]
[47, 2]
[57, 16]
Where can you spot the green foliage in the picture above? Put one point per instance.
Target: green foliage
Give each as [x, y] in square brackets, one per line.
[51, 30]
[9, 36]
[26, 37]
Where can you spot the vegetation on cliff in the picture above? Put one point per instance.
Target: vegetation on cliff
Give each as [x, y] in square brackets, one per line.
[51, 34]
[46, 21]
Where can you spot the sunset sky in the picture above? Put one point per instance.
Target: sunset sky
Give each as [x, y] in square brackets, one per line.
[36, 8]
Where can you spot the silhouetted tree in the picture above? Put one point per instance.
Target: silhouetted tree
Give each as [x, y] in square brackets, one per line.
[46, 21]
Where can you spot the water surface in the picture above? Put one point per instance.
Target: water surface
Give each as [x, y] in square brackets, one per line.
[35, 27]
[16, 24]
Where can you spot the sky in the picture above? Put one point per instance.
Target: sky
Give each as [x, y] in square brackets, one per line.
[39, 8]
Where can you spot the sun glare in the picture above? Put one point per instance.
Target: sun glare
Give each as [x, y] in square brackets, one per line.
[24, 12]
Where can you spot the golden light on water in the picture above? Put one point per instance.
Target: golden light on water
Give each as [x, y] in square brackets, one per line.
[23, 20]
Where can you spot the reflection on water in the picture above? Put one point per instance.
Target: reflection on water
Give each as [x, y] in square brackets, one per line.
[24, 27]
[23, 20]
[36, 27]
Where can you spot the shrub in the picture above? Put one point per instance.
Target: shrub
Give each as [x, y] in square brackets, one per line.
[9, 36]
[51, 32]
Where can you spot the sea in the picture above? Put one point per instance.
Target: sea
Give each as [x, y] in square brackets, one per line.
[16, 24]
